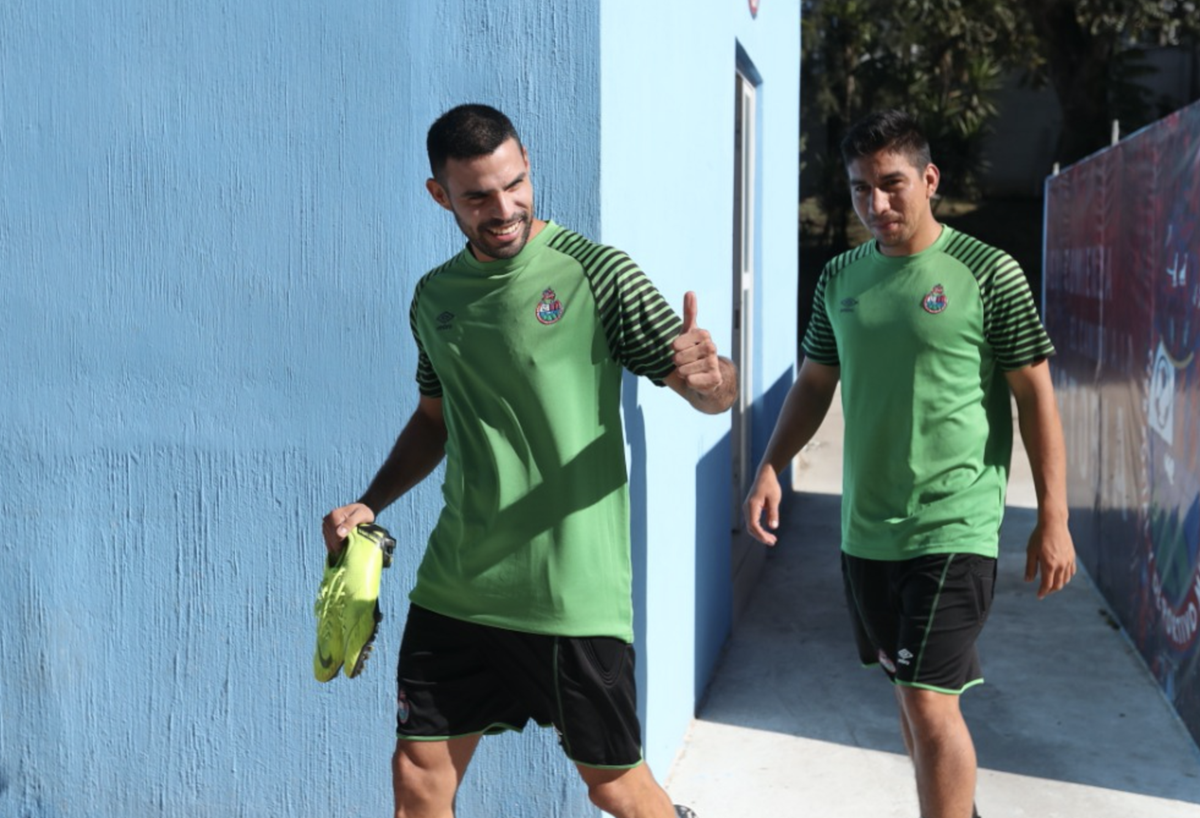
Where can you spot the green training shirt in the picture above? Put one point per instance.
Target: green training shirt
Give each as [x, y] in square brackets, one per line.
[923, 342]
[526, 354]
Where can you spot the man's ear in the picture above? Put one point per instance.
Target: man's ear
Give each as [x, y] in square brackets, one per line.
[438, 193]
[932, 177]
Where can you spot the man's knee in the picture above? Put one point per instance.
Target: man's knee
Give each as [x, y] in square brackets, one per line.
[610, 796]
[425, 777]
[623, 792]
[928, 712]
[418, 788]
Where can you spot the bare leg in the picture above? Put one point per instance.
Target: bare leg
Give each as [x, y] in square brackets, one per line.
[631, 793]
[426, 775]
[905, 730]
[941, 750]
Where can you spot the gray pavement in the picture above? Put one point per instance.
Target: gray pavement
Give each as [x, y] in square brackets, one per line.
[1068, 725]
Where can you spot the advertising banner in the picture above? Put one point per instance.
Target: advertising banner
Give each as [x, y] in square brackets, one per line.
[1122, 303]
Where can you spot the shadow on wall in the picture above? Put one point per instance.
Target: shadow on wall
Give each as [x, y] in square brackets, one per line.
[635, 441]
[725, 574]
[766, 413]
[714, 589]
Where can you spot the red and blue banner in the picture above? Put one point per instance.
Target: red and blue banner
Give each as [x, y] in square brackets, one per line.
[1122, 303]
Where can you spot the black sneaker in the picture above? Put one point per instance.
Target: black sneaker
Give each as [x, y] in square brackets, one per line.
[684, 812]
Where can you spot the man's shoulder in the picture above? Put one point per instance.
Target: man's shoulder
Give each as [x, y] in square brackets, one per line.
[581, 248]
[979, 256]
[837, 264]
[439, 270]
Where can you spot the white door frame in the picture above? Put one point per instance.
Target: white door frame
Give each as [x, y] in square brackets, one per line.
[745, 175]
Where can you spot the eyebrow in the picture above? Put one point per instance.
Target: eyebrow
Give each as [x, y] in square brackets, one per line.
[891, 177]
[516, 181]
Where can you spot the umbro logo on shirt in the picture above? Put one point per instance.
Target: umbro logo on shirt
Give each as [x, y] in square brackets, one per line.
[445, 320]
[848, 304]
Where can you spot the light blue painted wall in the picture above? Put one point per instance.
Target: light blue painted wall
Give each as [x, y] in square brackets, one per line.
[667, 105]
[772, 43]
[211, 218]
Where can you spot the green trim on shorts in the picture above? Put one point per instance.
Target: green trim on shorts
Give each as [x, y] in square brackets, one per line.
[632, 766]
[500, 727]
[947, 691]
[494, 729]
[562, 734]
[933, 610]
[562, 712]
[922, 686]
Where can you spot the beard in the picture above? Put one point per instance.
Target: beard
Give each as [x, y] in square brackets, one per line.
[484, 243]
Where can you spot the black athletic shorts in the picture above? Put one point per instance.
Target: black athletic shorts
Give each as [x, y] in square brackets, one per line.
[457, 678]
[919, 618]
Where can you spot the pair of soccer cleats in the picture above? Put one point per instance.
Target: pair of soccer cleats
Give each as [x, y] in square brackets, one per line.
[347, 607]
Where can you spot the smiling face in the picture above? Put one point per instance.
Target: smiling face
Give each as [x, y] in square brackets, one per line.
[491, 198]
[892, 197]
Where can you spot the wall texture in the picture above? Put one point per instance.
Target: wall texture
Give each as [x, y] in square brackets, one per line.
[667, 193]
[211, 219]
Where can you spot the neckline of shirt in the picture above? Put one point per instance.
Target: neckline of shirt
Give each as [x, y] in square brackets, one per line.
[504, 266]
[937, 245]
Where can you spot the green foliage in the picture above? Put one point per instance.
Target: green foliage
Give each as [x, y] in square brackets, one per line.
[1144, 22]
[945, 60]
[1091, 52]
[942, 60]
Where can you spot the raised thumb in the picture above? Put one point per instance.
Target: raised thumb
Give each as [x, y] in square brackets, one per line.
[689, 312]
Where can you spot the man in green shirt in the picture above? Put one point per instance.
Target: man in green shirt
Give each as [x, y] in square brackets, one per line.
[929, 332]
[522, 606]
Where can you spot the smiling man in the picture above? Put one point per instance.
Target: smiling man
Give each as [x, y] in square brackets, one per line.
[522, 606]
[931, 333]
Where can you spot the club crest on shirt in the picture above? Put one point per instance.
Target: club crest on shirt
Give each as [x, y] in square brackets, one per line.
[549, 309]
[935, 300]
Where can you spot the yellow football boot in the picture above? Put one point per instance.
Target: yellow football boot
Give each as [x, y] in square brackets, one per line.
[368, 551]
[331, 646]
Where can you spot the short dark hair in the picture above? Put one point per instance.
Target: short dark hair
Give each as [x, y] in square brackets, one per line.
[465, 132]
[890, 130]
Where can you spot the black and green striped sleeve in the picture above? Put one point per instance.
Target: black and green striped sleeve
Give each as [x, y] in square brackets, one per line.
[1010, 319]
[638, 323]
[428, 382]
[819, 342]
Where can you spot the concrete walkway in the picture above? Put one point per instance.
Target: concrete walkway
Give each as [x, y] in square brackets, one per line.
[1069, 724]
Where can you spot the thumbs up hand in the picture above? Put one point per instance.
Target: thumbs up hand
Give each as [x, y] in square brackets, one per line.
[696, 362]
